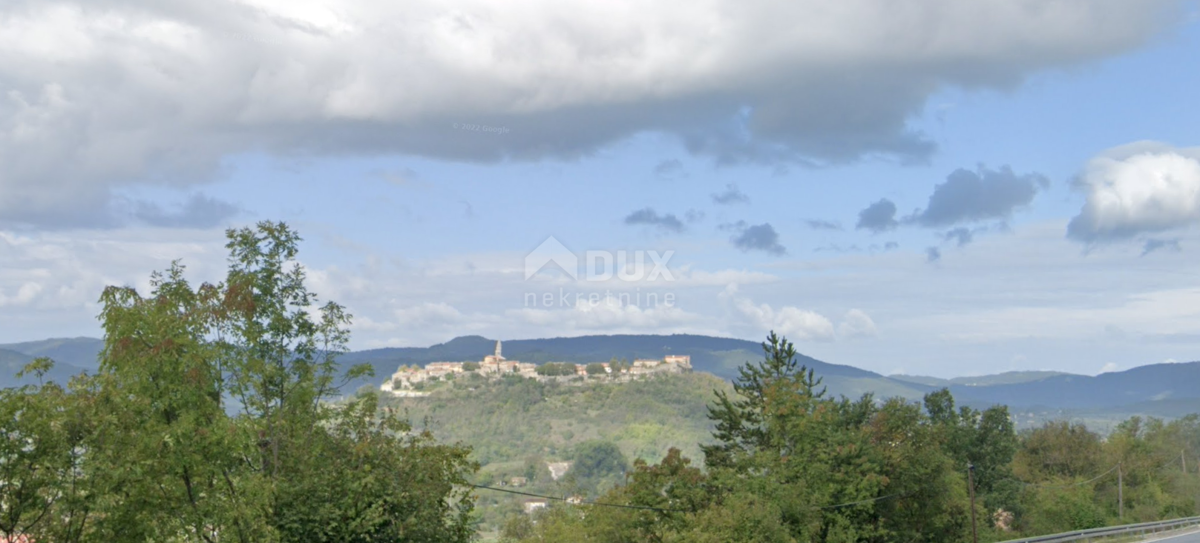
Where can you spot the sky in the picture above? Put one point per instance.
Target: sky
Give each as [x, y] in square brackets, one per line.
[927, 187]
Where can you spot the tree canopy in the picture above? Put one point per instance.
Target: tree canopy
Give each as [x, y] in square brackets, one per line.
[210, 419]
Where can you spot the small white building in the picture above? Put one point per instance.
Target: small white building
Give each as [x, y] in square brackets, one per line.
[532, 505]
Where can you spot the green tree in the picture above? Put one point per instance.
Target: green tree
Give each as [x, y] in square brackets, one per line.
[984, 439]
[1058, 449]
[556, 369]
[43, 428]
[596, 459]
[213, 418]
[790, 465]
[739, 419]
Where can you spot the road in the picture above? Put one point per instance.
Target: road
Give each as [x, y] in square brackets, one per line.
[1190, 537]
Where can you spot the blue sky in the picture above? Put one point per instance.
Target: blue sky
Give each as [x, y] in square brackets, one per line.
[423, 151]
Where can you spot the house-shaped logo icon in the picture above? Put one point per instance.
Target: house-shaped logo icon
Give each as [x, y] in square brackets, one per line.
[549, 251]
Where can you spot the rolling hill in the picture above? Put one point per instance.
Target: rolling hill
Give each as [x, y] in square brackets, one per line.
[80, 352]
[1152, 383]
[718, 356]
[1165, 390]
[1006, 378]
[11, 363]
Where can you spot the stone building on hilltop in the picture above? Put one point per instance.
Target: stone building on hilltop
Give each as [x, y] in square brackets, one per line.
[495, 366]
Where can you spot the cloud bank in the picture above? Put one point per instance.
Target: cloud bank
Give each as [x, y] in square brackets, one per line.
[101, 96]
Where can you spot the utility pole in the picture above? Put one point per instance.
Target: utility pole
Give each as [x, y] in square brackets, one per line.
[1120, 492]
[971, 487]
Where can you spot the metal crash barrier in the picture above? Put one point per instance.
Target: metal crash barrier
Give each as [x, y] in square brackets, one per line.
[1145, 528]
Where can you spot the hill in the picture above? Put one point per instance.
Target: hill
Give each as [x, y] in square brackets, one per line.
[718, 356]
[11, 363]
[1006, 378]
[1152, 383]
[80, 352]
[516, 426]
[1161, 389]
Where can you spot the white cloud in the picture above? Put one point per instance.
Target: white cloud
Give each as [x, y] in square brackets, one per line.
[791, 322]
[1109, 368]
[24, 295]
[105, 95]
[856, 324]
[429, 313]
[50, 283]
[1139, 188]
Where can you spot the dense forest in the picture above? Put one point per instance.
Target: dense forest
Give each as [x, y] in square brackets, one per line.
[215, 416]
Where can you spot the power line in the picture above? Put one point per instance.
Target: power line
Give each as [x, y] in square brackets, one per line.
[1066, 485]
[860, 502]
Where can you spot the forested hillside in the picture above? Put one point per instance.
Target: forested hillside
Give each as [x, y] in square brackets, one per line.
[788, 464]
[516, 426]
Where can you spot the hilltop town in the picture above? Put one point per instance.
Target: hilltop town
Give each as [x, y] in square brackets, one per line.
[407, 380]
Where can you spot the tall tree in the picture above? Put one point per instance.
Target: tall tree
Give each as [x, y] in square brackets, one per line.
[214, 417]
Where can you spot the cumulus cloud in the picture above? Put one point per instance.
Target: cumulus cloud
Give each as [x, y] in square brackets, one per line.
[1139, 188]
[23, 296]
[759, 237]
[137, 92]
[51, 280]
[982, 194]
[878, 217]
[792, 322]
[731, 195]
[856, 324]
[647, 216]
[966, 196]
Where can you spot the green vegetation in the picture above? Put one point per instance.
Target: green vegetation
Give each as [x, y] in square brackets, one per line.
[508, 419]
[789, 464]
[148, 448]
[514, 426]
[212, 416]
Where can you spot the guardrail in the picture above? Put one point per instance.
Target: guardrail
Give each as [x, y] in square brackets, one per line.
[1144, 528]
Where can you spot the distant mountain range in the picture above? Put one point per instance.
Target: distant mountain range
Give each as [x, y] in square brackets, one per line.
[1006, 378]
[1164, 390]
[71, 357]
